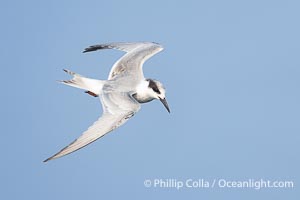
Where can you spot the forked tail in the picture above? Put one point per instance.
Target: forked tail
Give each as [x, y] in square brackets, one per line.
[92, 86]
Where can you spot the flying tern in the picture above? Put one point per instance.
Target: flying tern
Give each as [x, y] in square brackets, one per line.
[121, 94]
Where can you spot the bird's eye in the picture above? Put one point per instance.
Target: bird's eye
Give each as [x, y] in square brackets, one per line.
[155, 89]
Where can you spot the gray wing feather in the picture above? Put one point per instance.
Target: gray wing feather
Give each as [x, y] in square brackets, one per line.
[113, 117]
[122, 46]
[130, 65]
[104, 125]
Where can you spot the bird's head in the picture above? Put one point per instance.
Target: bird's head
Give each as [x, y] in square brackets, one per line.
[157, 91]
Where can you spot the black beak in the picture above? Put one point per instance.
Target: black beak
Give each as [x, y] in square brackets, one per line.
[164, 101]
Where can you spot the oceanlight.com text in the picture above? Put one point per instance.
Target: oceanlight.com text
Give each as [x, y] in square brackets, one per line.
[221, 183]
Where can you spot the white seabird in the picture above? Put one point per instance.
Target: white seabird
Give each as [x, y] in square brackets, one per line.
[120, 95]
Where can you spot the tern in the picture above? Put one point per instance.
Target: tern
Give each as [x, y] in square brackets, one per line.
[121, 94]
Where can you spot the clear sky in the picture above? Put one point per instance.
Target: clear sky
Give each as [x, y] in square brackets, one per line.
[231, 70]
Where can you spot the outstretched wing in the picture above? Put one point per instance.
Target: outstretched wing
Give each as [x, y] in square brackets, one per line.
[113, 117]
[130, 65]
[122, 46]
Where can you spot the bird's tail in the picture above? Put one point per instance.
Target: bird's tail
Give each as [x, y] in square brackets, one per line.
[92, 86]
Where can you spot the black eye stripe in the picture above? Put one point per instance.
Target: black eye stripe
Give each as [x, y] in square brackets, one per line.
[153, 85]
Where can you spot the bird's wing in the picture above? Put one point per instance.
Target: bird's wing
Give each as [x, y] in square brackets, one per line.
[122, 46]
[130, 65]
[113, 116]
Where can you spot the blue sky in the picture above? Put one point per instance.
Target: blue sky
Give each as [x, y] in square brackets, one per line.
[231, 69]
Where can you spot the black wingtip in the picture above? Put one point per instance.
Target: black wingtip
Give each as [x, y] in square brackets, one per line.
[87, 50]
[47, 160]
[92, 48]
